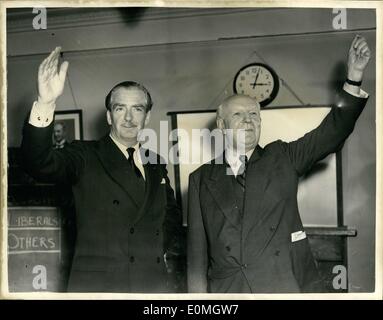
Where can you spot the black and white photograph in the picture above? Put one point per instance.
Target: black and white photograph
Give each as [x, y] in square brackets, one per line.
[213, 150]
[67, 127]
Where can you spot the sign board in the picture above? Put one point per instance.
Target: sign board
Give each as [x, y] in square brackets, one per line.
[34, 249]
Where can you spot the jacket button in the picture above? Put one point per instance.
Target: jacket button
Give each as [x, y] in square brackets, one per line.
[244, 266]
[116, 202]
[228, 248]
[157, 232]
[158, 259]
[131, 259]
[277, 253]
[131, 230]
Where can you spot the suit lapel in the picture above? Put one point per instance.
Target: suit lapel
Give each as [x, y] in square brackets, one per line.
[153, 180]
[116, 166]
[221, 188]
[256, 179]
[259, 202]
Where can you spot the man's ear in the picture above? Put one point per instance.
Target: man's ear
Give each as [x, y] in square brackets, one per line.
[147, 117]
[220, 123]
[108, 117]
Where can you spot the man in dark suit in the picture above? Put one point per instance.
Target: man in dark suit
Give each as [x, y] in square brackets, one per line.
[126, 215]
[59, 136]
[244, 229]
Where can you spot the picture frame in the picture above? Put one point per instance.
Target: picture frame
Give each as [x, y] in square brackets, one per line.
[72, 124]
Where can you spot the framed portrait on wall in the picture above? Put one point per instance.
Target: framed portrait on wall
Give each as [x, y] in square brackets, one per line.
[67, 127]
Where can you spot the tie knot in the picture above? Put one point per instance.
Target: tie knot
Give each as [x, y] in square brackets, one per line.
[130, 152]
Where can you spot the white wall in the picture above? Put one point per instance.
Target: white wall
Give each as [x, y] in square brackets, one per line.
[185, 66]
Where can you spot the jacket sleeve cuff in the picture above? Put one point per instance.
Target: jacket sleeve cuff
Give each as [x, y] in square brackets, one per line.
[361, 94]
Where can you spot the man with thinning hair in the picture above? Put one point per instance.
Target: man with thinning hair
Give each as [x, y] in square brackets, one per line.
[245, 234]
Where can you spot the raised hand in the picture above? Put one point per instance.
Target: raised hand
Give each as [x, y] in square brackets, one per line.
[358, 57]
[51, 78]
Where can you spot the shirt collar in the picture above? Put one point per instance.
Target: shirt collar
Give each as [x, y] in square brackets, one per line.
[232, 158]
[60, 142]
[124, 148]
[59, 145]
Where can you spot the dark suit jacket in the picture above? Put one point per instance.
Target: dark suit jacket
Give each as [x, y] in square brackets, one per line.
[255, 253]
[120, 245]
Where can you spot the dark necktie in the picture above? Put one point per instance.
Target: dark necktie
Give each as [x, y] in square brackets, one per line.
[132, 163]
[241, 177]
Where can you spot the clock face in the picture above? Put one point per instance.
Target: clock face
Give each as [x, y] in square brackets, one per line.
[258, 81]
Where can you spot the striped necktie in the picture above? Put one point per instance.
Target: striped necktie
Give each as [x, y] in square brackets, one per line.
[241, 177]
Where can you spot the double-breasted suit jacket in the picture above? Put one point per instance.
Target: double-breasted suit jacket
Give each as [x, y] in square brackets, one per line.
[122, 234]
[252, 250]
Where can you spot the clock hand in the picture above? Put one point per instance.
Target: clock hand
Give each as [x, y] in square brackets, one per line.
[255, 81]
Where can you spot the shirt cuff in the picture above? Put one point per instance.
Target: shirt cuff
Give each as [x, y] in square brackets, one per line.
[42, 114]
[348, 88]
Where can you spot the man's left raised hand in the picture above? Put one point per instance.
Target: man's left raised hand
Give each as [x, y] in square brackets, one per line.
[358, 57]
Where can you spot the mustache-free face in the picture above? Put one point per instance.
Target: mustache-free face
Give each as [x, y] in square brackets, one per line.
[240, 119]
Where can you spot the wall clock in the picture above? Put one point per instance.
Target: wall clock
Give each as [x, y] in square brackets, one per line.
[258, 81]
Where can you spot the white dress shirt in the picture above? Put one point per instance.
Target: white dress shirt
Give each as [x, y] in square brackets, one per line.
[233, 159]
[59, 145]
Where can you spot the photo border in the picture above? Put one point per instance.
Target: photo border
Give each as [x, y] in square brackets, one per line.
[197, 3]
